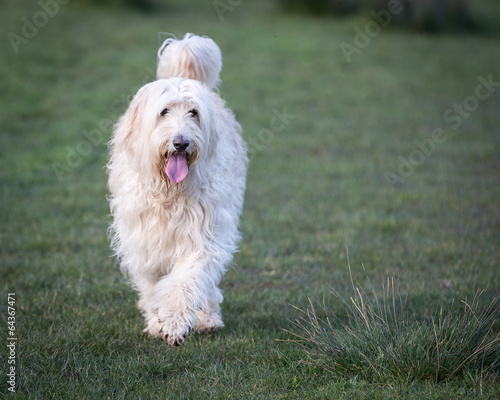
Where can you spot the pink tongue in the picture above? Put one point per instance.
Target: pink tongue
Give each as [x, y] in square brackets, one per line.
[177, 168]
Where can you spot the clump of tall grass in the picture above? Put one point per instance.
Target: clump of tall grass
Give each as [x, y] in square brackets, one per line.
[381, 340]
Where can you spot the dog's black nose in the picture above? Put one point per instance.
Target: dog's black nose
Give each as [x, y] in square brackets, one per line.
[181, 143]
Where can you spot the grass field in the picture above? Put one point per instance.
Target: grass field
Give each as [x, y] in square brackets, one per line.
[393, 156]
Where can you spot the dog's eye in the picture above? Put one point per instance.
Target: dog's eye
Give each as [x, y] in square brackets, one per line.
[164, 112]
[193, 113]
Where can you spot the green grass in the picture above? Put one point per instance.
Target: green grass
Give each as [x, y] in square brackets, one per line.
[382, 339]
[316, 187]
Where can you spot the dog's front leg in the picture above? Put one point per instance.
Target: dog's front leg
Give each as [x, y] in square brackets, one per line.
[176, 299]
[209, 319]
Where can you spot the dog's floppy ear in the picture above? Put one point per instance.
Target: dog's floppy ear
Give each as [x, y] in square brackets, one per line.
[128, 130]
[130, 121]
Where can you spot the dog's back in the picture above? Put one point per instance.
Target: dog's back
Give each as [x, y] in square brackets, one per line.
[193, 57]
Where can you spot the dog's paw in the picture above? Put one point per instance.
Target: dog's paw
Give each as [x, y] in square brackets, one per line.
[153, 326]
[175, 336]
[208, 322]
[174, 331]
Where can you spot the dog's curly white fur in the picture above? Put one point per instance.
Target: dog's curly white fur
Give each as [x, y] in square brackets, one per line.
[177, 174]
[193, 57]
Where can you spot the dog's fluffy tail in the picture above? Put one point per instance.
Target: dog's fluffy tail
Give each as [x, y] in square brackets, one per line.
[193, 57]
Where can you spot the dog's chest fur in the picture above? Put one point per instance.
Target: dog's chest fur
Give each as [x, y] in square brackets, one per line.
[173, 227]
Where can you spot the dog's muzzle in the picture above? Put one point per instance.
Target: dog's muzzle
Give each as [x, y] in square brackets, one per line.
[177, 162]
[181, 143]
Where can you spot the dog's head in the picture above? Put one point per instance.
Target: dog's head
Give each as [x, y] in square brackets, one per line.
[166, 129]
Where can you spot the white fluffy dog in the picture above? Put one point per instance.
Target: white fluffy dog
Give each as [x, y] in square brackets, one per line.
[177, 178]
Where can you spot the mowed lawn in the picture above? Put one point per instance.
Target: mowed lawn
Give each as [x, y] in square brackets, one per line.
[391, 153]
